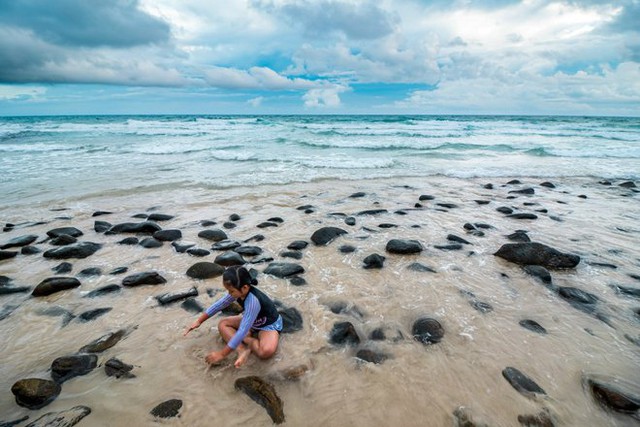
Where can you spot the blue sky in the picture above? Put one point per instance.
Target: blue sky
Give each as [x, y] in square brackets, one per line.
[573, 57]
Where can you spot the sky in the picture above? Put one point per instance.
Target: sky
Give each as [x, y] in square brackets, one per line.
[535, 57]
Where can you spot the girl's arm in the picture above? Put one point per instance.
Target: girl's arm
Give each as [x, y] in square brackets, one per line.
[215, 307]
[251, 311]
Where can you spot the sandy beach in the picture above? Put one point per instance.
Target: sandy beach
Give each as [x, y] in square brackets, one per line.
[478, 298]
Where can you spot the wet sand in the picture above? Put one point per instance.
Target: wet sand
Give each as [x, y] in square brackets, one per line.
[417, 385]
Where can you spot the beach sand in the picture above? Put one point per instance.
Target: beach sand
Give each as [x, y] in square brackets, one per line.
[417, 385]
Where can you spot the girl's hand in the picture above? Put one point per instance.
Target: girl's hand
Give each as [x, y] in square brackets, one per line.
[214, 357]
[194, 325]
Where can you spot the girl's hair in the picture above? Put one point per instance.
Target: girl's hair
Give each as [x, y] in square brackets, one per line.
[237, 277]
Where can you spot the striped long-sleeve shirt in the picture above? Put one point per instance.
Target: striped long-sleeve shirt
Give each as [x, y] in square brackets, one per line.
[249, 316]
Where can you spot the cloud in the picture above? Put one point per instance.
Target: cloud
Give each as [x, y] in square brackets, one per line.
[360, 20]
[115, 23]
[255, 78]
[323, 97]
[255, 102]
[13, 92]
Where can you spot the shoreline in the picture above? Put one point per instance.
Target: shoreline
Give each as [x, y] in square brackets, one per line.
[416, 381]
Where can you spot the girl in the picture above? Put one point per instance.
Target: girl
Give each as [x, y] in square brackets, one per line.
[260, 314]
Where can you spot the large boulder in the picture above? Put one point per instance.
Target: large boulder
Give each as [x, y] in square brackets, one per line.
[67, 367]
[69, 231]
[55, 284]
[81, 250]
[532, 253]
[325, 235]
[35, 393]
[230, 258]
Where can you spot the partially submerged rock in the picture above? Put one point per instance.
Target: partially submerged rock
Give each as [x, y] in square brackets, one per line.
[81, 250]
[35, 393]
[168, 409]
[67, 367]
[67, 418]
[117, 368]
[344, 333]
[523, 384]
[403, 246]
[537, 254]
[146, 278]
[54, 284]
[619, 397]
[104, 342]
[325, 235]
[427, 331]
[283, 269]
[205, 270]
[264, 394]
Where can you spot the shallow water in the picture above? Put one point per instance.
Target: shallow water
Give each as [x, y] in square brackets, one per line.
[418, 385]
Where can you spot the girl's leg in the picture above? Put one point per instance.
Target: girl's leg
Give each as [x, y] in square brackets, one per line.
[228, 327]
[265, 345]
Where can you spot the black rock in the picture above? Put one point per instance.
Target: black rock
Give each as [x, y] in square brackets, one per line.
[297, 281]
[519, 236]
[146, 278]
[505, 210]
[65, 368]
[532, 325]
[264, 394]
[547, 184]
[55, 284]
[13, 423]
[374, 261]
[403, 247]
[291, 320]
[81, 250]
[192, 306]
[537, 254]
[168, 409]
[451, 247]
[523, 216]
[527, 191]
[168, 298]
[424, 197]
[207, 223]
[416, 266]
[276, 219]
[514, 182]
[613, 397]
[539, 272]
[35, 393]
[101, 226]
[116, 368]
[160, 217]
[230, 258]
[387, 225]
[628, 184]
[145, 227]
[6, 290]
[150, 243]
[20, 241]
[481, 306]
[100, 213]
[91, 271]
[129, 241]
[427, 331]
[118, 270]
[291, 254]
[167, 235]
[69, 231]
[283, 269]
[7, 255]
[344, 333]
[347, 249]
[248, 250]
[298, 245]
[267, 224]
[205, 270]
[523, 384]
[87, 316]
[627, 291]
[182, 248]
[371, 356]
[358, 195]
[108, 289]
[488, 186]
[103, 343]
[30, 250]
[325, 235]
[225, 245]
[578, 298]
[454, 238]
[63, 240]
[197, 252]
[350, 220]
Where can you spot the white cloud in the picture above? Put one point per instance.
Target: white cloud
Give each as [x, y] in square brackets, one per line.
[13, 92]
[323, 97]
[254, 78]
[255, 102]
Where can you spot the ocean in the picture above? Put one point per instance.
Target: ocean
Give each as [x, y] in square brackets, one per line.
[44, 159]
[458, 188]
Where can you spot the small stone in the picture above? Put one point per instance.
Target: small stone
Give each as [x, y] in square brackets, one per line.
[532, 325]
[168, 409]
[523, 384]
[116, 368]
[344, 333]
[427, 331]
[374, 261]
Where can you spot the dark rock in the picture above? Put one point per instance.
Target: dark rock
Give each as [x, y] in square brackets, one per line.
[347, 249]
[523, 384]
[297, 281]
[67, 367]
[192, 306]
[146, 278]
[118, 270]
[350, 220]
[403, 247]
[514, 182]
[427, 331]
[505, 210]
[527, 191]
[488, 186]
[249, 250]
[225, 245]
[447, 205]
[452, 247]
[358, 195]
[20, 241]
[7, 255]
[603, 265]
[537, 254]
[424, 197]
[482, 202]
[539, 272]
[13, 423]
[374, 261]
[63, 240]
[129, 241]
[101, 226]
[7, 290]
[93, 314]
[264, 394]
[182, 248]
[532, 325]
[628, 184]
[52, 285]
[613, 397]
[454, 238]
[481, 306]
[205, 270]
[578, 298]
[68, 418]
[519, 236]
[140, 216]
[298, 245]
[91, 271]
[234, 217]
[542, 419]
[6, 311]
[626, 291]
[378, 335]
[547, 184]
[160, 217]
[304, 207]
[116, 368]
[145, 227]
[100, 213]
[150, 243]
[81, 250]
[103, 343]
[35, 393]
[421, 268]
[267, 224]
[168, 409]
[291, 320]
[230, 258]
[523, 216]
[108, 289]
[30, 250]
[387, 225]
[372, 212]
[344, 333]
[197, 252]
[69, 231]
[276, 219]
[283, 269]
[371, 356]
[167, 235]
[168, 298]
[291, 254]
[325, 235]
[207, 223]
[229, 225]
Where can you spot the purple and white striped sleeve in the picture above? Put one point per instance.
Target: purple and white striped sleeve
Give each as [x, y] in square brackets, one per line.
[251, 310]
[220, 305]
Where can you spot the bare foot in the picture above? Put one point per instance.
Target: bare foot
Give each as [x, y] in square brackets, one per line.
[243, 355]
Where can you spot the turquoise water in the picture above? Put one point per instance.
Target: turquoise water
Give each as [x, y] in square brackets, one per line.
[52, 158]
